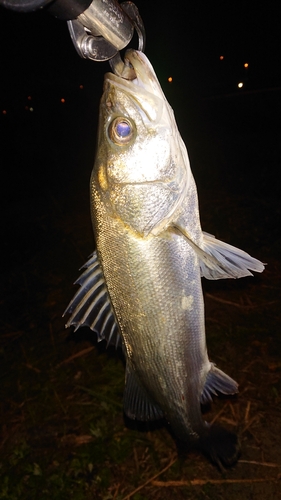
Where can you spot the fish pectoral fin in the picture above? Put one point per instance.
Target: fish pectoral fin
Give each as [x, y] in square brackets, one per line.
[233, 262]
[217, 381]
[221, 260]
[137, 404]
[91, 305]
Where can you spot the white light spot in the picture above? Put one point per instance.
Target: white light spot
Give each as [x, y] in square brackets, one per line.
[186, 302]
[240, 85]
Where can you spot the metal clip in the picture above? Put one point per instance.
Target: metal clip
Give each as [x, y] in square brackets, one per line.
[105, 28]
[89, 46]
[117, 65]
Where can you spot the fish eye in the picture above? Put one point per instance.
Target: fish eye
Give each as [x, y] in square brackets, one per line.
[121, 131]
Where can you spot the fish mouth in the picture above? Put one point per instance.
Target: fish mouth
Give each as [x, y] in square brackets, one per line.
[145, 78]
[144, 89]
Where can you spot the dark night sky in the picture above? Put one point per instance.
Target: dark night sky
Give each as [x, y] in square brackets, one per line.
[184, 39]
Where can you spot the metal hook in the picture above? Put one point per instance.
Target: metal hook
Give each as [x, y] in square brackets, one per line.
[117, 64]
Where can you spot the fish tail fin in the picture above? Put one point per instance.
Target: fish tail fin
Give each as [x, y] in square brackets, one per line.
[221, 446]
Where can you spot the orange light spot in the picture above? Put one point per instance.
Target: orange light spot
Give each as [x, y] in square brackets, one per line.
[221, 58]
[170, 79]
[246, 65]
[4, 112]
[81, 86]
[62, 100]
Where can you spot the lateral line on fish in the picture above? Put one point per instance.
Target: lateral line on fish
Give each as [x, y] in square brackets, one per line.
[144, 183]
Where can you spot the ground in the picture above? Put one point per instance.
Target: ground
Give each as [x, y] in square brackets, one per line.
[63, 431]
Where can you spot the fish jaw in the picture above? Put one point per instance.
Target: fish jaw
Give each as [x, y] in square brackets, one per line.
[145, 88]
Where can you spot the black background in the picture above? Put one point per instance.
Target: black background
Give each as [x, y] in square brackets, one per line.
[232, 135]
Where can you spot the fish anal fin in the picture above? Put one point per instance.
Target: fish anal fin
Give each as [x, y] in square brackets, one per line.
[137, 404]
[217, 381]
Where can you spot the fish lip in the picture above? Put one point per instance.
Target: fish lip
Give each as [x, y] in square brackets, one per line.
[144, 90]
[145, 75]
[118, 80]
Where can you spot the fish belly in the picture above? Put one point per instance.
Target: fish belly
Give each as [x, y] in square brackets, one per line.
[155, 287]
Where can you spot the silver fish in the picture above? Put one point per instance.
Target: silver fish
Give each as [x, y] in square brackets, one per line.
[142, 287]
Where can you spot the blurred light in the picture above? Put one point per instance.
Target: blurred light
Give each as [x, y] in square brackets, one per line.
[62, 100]
[30, 109]
[81, 86]
[170, 79]
[221, 58]
[246, 65]
[26, 108]
[29, 98]
[4, 112]
[240, 85]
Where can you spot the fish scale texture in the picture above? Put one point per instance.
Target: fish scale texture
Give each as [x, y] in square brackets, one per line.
[155, 288]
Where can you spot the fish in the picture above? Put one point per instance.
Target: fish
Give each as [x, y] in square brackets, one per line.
[141, 288]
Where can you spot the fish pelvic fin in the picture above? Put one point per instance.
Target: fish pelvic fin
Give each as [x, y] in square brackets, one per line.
[91, 305]
[137, 404]
[217, 381]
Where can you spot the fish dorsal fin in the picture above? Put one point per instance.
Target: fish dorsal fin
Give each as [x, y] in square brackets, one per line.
[137, 404]
[217, 380]
[221, 260]
[91, 305]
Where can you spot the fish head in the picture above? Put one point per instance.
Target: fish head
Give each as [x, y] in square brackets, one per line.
[142, 169]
